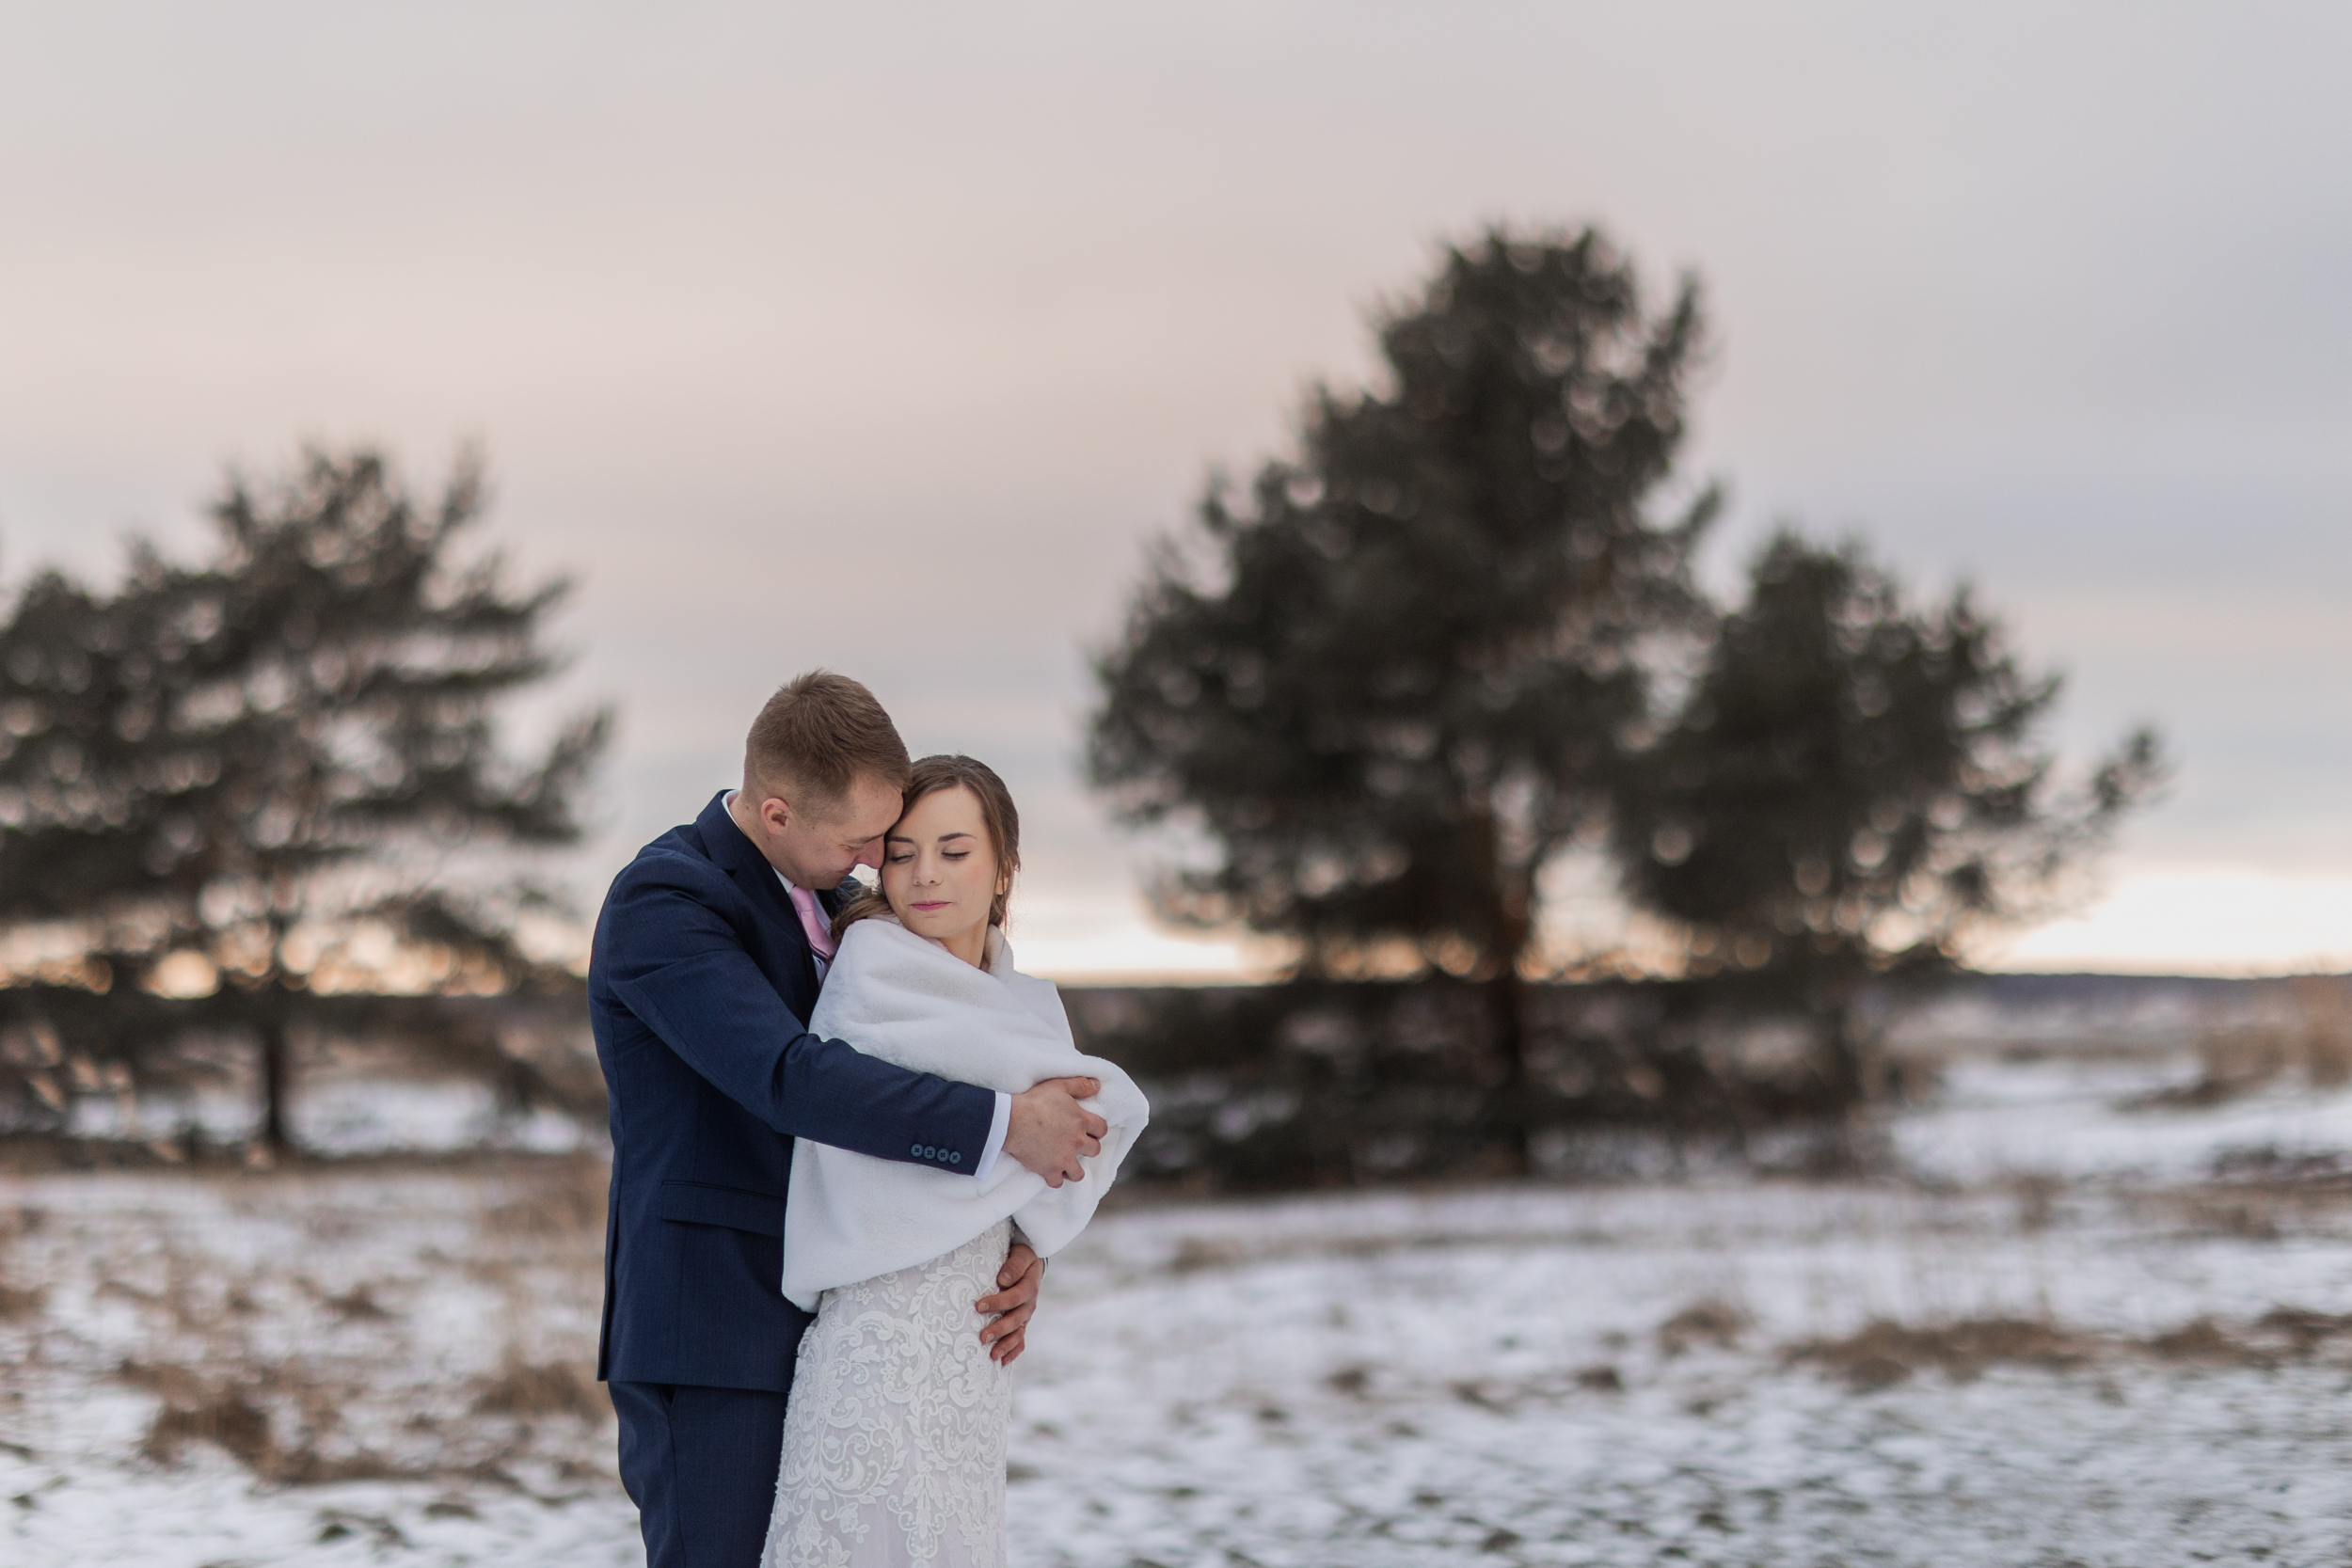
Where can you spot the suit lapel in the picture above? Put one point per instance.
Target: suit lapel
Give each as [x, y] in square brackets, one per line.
[743, 861]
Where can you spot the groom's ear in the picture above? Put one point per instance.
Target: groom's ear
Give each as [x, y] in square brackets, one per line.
[774, 812]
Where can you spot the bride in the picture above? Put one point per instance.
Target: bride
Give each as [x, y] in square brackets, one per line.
[894, 1431]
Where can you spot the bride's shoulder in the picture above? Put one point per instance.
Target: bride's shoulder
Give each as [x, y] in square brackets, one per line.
[871, 935]
[1036, 993]
[880, 920]
[878, 950]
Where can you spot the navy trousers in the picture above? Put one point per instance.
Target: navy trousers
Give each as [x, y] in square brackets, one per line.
[700, 1463]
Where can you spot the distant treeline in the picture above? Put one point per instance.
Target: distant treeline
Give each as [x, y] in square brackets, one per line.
[1321, 1084]
[1287, 1086]
[1261, 1089]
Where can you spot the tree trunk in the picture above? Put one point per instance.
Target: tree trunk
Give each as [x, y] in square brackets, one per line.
[276, 1070]
[1842, 1065]
[1511, 921]
[1514, 1095]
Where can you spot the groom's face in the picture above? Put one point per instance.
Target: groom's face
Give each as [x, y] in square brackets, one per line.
[817, 851]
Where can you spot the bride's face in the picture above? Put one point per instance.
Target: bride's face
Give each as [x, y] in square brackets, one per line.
[939, 873]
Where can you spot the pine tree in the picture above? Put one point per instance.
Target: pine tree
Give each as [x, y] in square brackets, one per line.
[1853, 789]
[274, 780]
[1410, 674]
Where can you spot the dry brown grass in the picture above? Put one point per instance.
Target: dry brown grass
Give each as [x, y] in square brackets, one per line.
[2197, 1339]
[2037, 1201]
[325, 1353]
[2261, 1197]
[358, 1304]
[554, 1389]
[229, 1421]
[2303, 1330]
[2304, 1032]
[18, 1302]
[1712, 1322]
[566, 1203]
[1884, 1353]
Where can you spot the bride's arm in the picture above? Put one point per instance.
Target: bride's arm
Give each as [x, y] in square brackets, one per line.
[1013, 1305]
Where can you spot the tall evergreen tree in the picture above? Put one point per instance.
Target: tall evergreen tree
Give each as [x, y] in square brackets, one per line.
[1412, 674]
[1853, 789]
[271, 780]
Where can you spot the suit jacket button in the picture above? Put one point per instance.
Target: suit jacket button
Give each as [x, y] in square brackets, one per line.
[955, 1159]
[917, 1151]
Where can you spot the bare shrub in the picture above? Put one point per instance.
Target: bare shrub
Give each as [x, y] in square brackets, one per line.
[19, 1302]
[339, 1524]
[355, 1304]
[2304, 1032]
[2246, 1217]
[306, 1467]
[227, 1421]
[1194, 1254]
[1882, 1352]
[2304, 1330]
[171, 1384]
[566, 1200]
[2036, 1196]
[524, 1389]
[1714, 1321]
[2325, 1003]
[2198, 1340]
[2233, 1059]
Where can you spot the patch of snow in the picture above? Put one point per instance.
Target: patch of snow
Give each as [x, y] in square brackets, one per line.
[2075, 1120]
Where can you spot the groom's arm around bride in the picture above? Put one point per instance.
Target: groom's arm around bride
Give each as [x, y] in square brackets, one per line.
[706, 960]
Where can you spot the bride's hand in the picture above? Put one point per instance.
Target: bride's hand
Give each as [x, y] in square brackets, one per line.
[1049, 1132]
[1014, 1304]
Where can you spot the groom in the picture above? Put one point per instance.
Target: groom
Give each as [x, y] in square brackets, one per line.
[708, 953]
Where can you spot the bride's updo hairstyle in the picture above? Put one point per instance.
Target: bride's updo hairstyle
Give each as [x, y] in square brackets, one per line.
[928, 777]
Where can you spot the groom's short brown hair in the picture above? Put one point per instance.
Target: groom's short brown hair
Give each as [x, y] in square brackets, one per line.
[814, 736]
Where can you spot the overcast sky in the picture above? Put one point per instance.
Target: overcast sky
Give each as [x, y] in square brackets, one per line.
[885, 338]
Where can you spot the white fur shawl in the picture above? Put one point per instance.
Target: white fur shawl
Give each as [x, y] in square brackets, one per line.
[907, 1000]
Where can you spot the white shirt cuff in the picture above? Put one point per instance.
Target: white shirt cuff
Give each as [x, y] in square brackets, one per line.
[998, 1126]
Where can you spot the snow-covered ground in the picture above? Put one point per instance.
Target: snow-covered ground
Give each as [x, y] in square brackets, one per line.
[2059, 1118]
[1620, 1377]
[2061, 1340]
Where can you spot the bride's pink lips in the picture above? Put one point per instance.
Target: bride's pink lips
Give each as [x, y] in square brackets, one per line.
[936, 904]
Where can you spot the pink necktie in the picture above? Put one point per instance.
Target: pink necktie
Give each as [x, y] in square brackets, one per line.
[812, 921]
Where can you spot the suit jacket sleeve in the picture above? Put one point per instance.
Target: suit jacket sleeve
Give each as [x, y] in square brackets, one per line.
[683, 972]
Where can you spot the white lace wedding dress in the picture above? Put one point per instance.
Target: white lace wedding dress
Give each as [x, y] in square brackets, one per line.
[894, 1433]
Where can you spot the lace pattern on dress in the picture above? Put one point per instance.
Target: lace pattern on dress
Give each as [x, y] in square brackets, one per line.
[893, 1433]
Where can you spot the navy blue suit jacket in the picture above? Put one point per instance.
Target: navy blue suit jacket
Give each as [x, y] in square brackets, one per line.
[698, 985]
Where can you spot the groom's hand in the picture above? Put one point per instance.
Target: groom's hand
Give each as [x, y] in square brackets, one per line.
[1049, 1130]
[1014, 1303]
